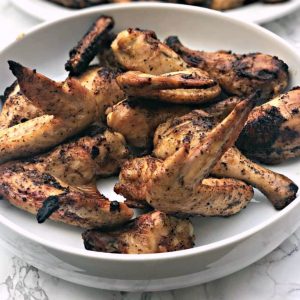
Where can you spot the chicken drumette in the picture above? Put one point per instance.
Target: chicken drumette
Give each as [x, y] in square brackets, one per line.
[237, 74]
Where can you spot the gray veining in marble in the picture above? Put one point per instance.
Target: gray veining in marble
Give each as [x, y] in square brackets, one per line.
[276, 277]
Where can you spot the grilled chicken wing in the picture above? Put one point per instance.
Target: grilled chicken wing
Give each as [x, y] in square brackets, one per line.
[272, 132]
[188, 86]
[40, 193]
[193, 127]
[17, 108]
[140, 50]
[99, 152]
[100, 81]
[239, 75]
[154, 232]
[68, 108]
[137, 119]
[176, 185]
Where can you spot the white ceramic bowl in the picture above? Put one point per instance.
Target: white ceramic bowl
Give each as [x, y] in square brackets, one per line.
[223, 245]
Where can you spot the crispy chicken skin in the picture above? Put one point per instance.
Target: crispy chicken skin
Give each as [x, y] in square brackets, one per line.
[88, 47]
[177, 185]
[68, 109]
[193, 127]
[42, 194]
[272, 132]
[99, 152]
[17, 108]
[140, 50]
[189, 86]
[239, 75]
[154, 232]
[137, 119]
[102, 83]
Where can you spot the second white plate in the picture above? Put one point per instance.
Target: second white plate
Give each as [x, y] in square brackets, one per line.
[256, 13]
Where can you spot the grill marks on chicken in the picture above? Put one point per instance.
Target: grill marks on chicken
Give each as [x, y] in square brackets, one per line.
[239, 75]
[272, 132]
[103, 85]
[68, 108]
[188, 86]
[154, 232]
[41, 194]
[87, 47]
[140, 50]
[99, 153]
[193, 128]
[17, 109]
[175, 185]
[137, 119]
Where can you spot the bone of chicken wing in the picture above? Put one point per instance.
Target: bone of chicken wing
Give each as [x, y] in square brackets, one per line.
[99, 152]
[193, 127]
[140, 50]
[272, 132]
[189, 86]
[176, 185]
[239, 75]
[154, 232]
[68, 109]
[137, 119]
[42, 194]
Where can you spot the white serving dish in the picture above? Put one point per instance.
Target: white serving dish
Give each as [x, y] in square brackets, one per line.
[223, 245]
[256, 12]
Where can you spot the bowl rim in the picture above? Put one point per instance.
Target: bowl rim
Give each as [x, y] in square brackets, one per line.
[106, 9]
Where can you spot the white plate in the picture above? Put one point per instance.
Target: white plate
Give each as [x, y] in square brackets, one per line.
[256, 13]
[223, 245]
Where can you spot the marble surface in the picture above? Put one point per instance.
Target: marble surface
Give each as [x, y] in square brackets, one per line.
[276, 277]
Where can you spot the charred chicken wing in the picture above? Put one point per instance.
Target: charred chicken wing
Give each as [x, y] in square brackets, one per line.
[154, 232]
[239, 75]
[177, 185]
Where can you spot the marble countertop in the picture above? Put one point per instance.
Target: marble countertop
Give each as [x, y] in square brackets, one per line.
[276, 277]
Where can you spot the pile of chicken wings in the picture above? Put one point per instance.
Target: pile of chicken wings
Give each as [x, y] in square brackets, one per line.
[184, 129]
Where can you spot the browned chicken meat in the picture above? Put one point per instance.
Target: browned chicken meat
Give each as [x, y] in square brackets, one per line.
[188, 86]
[272, 132]
[17, 108]
[98, 153]
[40, 193]
[88, 47]
[178, 184]
[137, 119]
[154, 232]
[140, 50]
[68, 109]
[193, 128]
[102, 83]
[237, 74]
